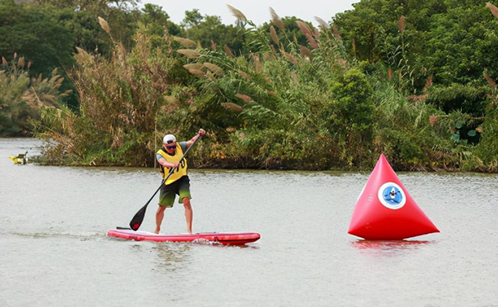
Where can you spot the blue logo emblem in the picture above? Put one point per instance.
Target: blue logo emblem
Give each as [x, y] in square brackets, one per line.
[391, 195]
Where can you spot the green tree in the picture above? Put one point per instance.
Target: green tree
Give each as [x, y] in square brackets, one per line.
[210, 32]
[120, 14]
[450, 40]
[192, 18]
[36, 34]
[21, 97]
[158, 21]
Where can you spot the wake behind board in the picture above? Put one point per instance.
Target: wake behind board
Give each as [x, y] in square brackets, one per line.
[211, 237]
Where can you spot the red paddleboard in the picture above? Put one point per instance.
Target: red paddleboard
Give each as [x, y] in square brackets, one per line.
[385, 210]
[211, 237]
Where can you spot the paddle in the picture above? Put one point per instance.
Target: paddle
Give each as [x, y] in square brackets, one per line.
[137, 220]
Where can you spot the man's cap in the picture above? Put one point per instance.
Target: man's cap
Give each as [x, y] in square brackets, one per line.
[169, 138]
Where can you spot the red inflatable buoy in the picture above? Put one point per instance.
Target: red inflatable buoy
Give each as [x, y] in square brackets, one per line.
[385, 211]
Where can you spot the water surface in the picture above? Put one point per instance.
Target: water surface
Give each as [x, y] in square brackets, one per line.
[55, 252]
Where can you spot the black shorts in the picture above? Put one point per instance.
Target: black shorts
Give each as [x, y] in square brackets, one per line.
[167, 194]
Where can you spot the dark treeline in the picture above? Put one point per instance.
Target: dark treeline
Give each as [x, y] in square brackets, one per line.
[103, 81]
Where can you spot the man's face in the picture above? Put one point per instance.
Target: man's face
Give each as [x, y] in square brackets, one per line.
[170, 146]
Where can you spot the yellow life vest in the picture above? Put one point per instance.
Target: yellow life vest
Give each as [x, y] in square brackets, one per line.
[180, 171]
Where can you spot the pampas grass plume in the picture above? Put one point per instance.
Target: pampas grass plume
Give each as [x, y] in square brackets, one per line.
[276, 19]
[232, 106]
[401, 24]
[493, 9]
[273, 34]
[238, 14]
[103, 23]
[191, 54]
[185, 42]
[244, 98]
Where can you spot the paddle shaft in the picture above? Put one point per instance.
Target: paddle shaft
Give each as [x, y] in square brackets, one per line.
[137, 220]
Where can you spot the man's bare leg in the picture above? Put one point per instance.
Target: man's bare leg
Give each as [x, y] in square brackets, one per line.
[189, 213]
[159, 218]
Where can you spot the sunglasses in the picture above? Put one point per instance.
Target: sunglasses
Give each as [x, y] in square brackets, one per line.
[171, 147]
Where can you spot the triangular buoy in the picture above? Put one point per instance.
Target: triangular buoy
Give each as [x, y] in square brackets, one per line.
[385, 211]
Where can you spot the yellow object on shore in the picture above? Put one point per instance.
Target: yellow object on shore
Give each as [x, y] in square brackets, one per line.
[20, 159]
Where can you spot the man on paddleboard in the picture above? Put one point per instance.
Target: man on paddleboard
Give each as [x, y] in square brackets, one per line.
[178, 182]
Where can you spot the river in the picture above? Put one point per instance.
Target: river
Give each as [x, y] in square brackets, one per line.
[55, 251]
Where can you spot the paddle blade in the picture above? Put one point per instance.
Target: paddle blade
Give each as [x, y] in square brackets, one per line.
[137, 220]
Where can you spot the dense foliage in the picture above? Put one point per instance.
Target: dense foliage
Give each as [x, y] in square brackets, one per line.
[413, 80]
[22, 96]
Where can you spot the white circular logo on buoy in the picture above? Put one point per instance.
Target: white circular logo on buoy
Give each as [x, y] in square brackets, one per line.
[392, 196]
